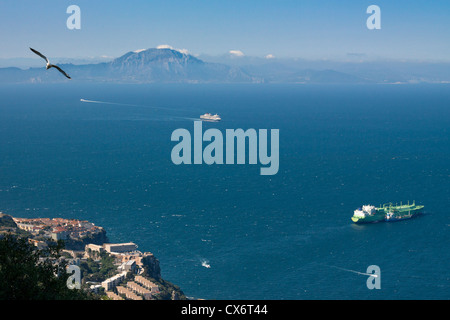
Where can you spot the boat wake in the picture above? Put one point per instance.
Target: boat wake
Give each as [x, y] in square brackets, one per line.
[354, 271]
[206, 264]
[122, 104]
[92, 101]
[144, 106]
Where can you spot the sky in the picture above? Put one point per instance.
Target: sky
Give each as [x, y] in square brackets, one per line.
[320, 29]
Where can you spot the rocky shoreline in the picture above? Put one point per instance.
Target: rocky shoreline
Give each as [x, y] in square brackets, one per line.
[109, 271]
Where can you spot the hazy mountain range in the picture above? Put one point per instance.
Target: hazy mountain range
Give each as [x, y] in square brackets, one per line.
[166, 65]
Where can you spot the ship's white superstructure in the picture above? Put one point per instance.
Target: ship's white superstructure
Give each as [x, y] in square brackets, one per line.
[210, 117]
[365, 211]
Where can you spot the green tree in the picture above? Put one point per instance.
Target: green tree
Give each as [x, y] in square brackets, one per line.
[30, 274]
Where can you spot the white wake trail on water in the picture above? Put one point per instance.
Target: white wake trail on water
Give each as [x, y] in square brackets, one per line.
[205, 263]
[91, 101]
[144, 106]
[354, 271]
[123, 104]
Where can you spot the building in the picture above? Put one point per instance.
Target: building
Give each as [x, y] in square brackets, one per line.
[137, 256]
[113, 296]
[147, 294]
[93, 247]
[128, 293]
[26, 226]
[85, 224]
[120, 247]
[39, 244]
[96, 288]
[147, 284]
[112, 282]
[59, 233]
[130, 265]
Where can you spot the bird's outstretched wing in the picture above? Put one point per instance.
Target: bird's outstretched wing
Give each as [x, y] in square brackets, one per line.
[62, 71]
[40, 55]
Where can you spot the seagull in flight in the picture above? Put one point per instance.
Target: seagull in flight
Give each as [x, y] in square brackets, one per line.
[49, 65]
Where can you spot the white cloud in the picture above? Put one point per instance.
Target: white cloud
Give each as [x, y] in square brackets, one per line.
[184, 51]
[236, 53]
[270, 56]
[166, 46]
[140, 50]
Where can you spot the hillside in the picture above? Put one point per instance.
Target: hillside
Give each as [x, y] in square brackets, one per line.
[7, 225]
[143, 66]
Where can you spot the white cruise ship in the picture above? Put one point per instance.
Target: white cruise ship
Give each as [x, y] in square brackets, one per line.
[210, 117]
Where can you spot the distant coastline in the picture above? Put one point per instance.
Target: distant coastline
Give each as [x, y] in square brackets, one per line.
[168, 65]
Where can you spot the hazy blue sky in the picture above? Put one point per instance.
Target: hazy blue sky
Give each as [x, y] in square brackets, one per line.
[418, 29]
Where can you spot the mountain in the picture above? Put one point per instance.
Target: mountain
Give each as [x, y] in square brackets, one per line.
[34, 62]
[353, 69]
[167, 65]
[142, 66]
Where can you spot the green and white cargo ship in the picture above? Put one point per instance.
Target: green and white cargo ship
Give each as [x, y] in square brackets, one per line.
[387, 212]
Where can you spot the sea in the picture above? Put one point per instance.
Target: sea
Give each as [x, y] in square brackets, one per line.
[226, 232]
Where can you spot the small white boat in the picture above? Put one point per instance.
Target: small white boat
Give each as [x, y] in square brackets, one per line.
[210, 117]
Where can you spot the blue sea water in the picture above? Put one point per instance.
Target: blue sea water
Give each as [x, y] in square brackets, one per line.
[287, 236]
